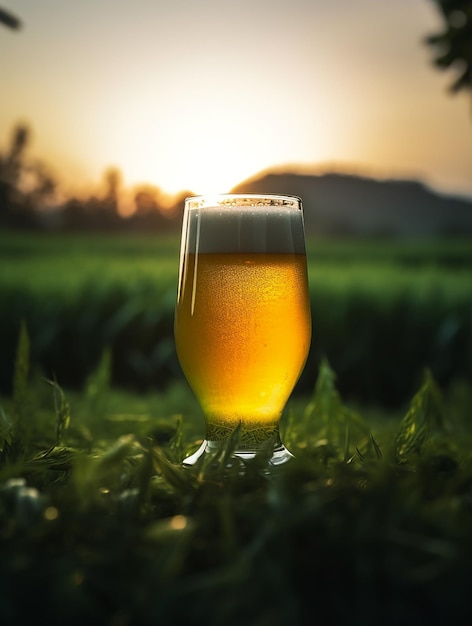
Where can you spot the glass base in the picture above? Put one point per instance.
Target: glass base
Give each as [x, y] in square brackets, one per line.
[280, 454]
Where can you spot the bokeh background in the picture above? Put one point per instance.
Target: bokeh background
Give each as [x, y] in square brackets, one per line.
[112, 112]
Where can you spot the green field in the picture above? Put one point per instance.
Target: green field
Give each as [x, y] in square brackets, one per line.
[382, 311]
[99, 522]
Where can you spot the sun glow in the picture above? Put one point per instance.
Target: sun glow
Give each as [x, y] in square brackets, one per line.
[202, 99]
[205, 137]
[202, 145]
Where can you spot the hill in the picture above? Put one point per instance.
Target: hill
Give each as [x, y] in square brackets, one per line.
[345, 204]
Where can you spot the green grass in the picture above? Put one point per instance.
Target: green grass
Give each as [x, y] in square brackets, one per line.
[100, 523]
[369, 524]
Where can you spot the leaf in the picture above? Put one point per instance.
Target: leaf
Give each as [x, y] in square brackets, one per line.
[424, 414]
[336, 421]
[9, 20]
[62, 409]
[118, 452]
[57, 458]
[174, 473]
[99, 380]
[375, 445]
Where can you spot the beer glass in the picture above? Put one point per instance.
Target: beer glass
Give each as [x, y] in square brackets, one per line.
[242, 319]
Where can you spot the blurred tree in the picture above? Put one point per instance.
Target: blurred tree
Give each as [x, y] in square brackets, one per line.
[13, 210]
[155, 212]
[9, 19]
[149, 212]
[112, 180]
[43, 188]
[12, 163]
[25, 188]
[454, 43]
[146, 201]
[95, 213]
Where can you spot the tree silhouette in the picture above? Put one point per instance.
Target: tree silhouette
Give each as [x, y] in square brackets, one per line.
[454, 43]
[25, 187]
[112, 179]
[11, 167]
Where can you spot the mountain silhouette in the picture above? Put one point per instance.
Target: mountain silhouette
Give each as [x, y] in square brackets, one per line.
[346, 204]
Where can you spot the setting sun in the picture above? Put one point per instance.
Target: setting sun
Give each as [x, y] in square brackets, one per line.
[207, 138]
[201, 99]
[206, 149]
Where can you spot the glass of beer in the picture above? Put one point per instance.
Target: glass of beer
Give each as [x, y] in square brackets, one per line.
[242, 319]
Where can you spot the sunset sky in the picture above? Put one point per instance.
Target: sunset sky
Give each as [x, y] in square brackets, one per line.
[201, 94]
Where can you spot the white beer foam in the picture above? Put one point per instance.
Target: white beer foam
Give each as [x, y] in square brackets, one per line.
[254, 229]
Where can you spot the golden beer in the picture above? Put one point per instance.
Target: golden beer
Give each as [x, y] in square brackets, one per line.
[242, 336]
[242, 320]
